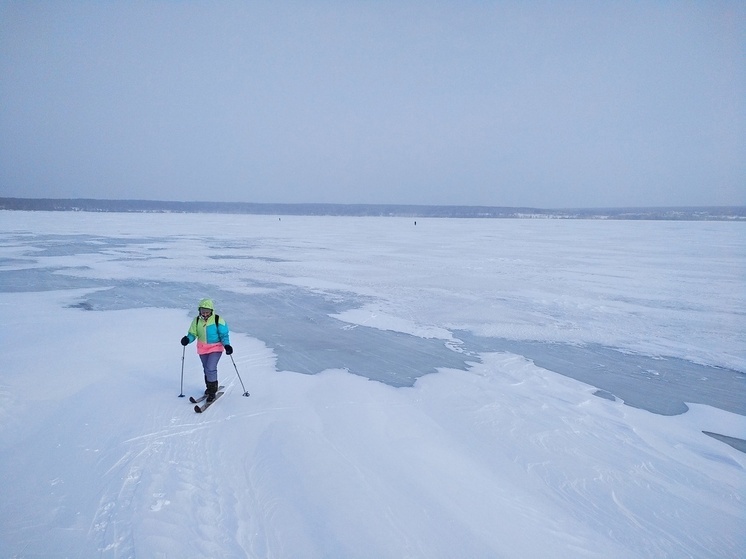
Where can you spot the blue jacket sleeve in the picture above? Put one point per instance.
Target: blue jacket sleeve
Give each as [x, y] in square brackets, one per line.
[224, 333]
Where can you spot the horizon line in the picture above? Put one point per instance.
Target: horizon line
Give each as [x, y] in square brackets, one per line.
[365, 204]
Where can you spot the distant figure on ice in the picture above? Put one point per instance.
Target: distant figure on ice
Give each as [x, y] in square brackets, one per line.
[212, 335]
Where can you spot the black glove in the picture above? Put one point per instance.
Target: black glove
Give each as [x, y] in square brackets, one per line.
[185, 341]
[228, 349]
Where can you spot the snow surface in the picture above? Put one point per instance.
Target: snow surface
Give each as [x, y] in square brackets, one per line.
[494, 457]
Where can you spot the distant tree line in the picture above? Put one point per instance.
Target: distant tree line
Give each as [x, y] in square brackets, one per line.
[710, 213]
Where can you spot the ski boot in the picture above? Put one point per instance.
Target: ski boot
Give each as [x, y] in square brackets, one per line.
[212, 389]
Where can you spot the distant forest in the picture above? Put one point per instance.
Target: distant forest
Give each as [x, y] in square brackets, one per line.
[707, 213]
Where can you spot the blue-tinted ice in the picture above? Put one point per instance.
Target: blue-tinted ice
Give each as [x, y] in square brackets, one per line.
[298, 325]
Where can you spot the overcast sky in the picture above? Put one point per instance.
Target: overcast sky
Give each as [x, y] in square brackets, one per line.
[545, 104]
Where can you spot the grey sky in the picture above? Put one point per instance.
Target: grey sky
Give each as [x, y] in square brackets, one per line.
[545, 104]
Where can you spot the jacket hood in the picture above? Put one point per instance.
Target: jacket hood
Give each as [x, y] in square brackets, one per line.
[206, 304]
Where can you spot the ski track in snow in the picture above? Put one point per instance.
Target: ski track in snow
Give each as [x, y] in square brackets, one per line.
[168, 477]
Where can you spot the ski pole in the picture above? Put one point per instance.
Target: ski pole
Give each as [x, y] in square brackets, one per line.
[181, 392]
[245, 392]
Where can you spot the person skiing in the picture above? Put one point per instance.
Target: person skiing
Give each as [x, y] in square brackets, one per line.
[212, 335]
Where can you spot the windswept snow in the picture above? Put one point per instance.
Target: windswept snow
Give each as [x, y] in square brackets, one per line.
[497, 457]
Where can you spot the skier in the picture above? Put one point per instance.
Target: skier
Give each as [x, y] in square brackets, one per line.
[212, 335]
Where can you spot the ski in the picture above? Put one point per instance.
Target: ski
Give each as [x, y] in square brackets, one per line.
[202, 398]
[200, 409]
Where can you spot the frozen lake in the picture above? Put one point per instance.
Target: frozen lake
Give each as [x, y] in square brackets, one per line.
[475, 333]
[650, 312]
